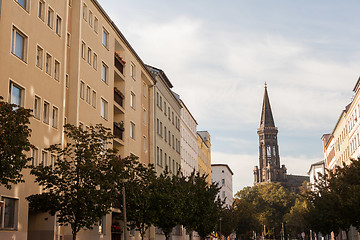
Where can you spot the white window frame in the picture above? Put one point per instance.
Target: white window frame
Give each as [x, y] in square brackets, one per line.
[83, 49]
[85, 9]
[96, 25]
[21, 99]
[14, 213]
[90, 18]
[58, 23]
[35, 156]
[41, 10]
[89, 55]
[46, 112]
[37, 107]
[82, 89]
[104, 109]
[104, 73]
[55, 117]
[39, 57]
[48, 63]
[44, 158]
[133, 70]
[93, 99]
[50, 17]
[87, 94]
[57, 70]
[105, 38]
[132, 100]
[132, 130]
[95, 61]
[14, 44]
[26, 3]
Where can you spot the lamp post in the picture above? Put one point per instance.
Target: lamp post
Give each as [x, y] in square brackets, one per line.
[124, 209]
[220, 228]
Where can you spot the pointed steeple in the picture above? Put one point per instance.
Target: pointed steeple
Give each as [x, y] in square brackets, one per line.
[267, 119]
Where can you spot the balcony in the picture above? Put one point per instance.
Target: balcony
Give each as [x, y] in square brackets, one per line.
[118, 130]
[118, 97]
[119, 63]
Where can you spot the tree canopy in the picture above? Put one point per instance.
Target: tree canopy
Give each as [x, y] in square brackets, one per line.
[14, 142]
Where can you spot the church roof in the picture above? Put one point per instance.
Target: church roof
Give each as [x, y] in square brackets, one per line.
[267, 119]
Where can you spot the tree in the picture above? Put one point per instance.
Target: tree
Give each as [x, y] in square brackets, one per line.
[228, 223]
[79, 188]
[166, 201]
[14, 142]
[139, 191]
[270, 202]
[296, 219]
[245, 217]
[201, 208]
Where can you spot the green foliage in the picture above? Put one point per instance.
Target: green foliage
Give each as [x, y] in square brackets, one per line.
[268, 204]
[296, 219]
[139, 191]
[335, 202]
[166, 201]
[228, 221]
[79, 188]
[201, 209]
[14, 142]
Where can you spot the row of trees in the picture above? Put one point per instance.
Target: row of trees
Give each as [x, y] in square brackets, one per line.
[87, 179]
[331, 206]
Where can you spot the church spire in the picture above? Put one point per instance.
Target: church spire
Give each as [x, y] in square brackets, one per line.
[267, 119]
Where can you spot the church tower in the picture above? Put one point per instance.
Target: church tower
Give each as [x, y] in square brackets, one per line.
[269, 169]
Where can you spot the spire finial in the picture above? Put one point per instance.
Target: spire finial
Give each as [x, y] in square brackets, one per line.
[265, 85]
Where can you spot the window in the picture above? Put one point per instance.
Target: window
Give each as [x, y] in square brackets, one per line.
[67, 80]
[165, 108]
[46, 114]
[144, 89]
[50, 18]
[173, 145]
[165, 159]
[172, 114]
[48, 62]
[93, 102]
[157, 98]
[9, 213]
[58, 26]
[35, 156]
[37, 104]
[169, 112]
[96, 24]
[18, 44]
[132, 100]
[23, 3]
[52, 160]
[104, 110]
[161, 157]
[90, 18]
[87, 94]
[223, 194]
[223, 181]
[83, 46]
[89, 56]
[144, 143]
[157, 155]
[95, 61]
[105, 39]
[104, 75]
[68, 36]
[157, 126]
[44, 158]
[161, 126]
[39, 57]
[160, 102]
[165, 137]
[55, 114]
[16, 94]
[84, 11]
[41, 11]
[132, 70]
[82, 89]
[57, 70]
[132, 130]
[144, 116]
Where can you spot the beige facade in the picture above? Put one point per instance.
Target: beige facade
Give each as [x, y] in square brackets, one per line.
[204, 154]
[68, 62]
[340, 135]
[167, 124]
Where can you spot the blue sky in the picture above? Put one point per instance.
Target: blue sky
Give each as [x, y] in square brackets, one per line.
[218, 54]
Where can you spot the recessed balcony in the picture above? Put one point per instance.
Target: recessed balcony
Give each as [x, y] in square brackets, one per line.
[119, 63]
[119, 130]
[119, 97]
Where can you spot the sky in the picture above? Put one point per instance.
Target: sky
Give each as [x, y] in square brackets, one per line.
[219, 54]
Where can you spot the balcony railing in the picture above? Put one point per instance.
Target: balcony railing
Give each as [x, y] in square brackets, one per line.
[119, 63]
[118, 97]
[118, 131]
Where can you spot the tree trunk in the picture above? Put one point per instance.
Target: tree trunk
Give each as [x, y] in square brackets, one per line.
[74, 235]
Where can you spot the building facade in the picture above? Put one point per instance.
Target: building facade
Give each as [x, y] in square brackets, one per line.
[222, 175]
[167, 124]
[189, 150]
[314, 172]
[204, 154]
[68, 62]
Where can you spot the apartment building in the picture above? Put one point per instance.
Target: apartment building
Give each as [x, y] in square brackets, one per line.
[68, 62]
[340, 134]
[189, 150]
[222, 175]
[204, 154]
[167, 123]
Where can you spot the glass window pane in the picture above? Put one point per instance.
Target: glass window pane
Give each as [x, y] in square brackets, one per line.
[16, 95]
[22, 3]
[9, 213]
[19, 45]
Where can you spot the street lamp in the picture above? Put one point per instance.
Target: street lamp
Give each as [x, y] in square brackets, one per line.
[123, 181]
[220, 228]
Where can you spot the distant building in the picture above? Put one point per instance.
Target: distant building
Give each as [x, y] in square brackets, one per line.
[222, 174]
[204, 154]
[314, 172]
[269, 169]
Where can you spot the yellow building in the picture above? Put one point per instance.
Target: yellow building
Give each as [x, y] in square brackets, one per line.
[68, 62]
[204, 154]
